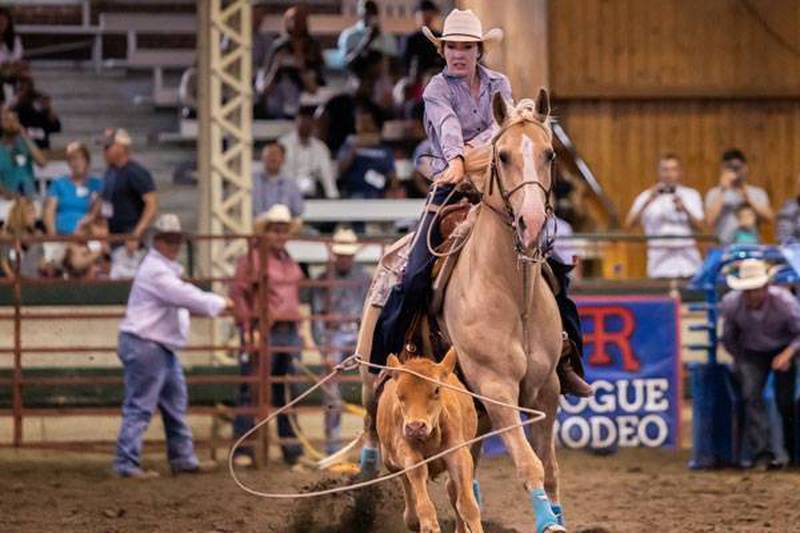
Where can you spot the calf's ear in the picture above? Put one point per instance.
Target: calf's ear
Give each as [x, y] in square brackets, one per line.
[448, 364]
[393, 362]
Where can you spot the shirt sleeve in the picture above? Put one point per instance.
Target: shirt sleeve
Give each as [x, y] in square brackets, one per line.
[179, 293]
[54, 190]
[712, 196]
[239, 292]
[730, 329]
[326, 171]
[505, 89]
[639, 202]
[694, 204]
[344, 42]
[793, 318]
[442, 119]
[296, 202]
[142, 181]
[759, 196]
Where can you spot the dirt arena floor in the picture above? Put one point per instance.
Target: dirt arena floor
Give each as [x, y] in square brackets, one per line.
[633, 491]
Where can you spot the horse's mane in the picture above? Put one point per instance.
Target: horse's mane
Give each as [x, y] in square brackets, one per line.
[525, 111]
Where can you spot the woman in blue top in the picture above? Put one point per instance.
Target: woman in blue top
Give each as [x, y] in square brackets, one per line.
[70, 197]
[17, 155]
[458, 114]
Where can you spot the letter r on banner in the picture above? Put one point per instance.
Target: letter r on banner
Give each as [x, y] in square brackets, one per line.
[601, 338]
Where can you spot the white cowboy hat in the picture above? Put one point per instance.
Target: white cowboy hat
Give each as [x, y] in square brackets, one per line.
[463, 26]
[168, 223]
[277, 214]
[753, 274]
[345, 242]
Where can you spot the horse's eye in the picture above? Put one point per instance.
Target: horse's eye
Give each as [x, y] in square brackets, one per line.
[550, 155]
[504, 157]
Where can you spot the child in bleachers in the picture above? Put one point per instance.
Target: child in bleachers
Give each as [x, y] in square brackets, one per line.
[747, 230]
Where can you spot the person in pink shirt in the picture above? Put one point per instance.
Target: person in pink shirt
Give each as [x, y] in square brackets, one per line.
[283, 312]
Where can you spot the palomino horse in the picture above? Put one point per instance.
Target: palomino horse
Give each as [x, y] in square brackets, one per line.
[500, 314]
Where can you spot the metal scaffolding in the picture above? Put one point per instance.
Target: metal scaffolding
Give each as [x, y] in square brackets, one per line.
[225, 141]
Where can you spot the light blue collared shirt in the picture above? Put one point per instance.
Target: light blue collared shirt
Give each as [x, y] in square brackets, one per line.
[160, 302]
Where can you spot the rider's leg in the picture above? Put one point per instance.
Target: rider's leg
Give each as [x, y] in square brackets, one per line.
[570, 367]
[412, 293]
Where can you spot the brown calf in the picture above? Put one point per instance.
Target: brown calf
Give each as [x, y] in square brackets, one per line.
[418, 419]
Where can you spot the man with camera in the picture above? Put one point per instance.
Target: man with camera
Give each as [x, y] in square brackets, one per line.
[732, 192]
[669, 209]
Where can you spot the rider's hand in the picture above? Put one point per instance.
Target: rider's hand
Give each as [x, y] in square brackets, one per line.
[454, 172]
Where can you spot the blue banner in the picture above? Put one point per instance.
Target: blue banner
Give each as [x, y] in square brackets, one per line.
[631, 351]
[631, 356]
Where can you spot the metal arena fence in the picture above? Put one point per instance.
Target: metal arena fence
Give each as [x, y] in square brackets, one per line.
[20, 380]
[24, 387]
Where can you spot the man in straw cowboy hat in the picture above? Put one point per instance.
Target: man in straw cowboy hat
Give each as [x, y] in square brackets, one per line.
[458, 116]
[762, 333]
[283, 311]
[344, 292]
[155, 327]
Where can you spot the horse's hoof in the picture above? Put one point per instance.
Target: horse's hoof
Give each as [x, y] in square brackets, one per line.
[553, 528]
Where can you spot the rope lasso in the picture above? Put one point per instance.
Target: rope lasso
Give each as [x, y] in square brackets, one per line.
[351, 363]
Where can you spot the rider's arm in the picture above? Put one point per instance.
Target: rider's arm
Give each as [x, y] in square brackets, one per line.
[441, 120]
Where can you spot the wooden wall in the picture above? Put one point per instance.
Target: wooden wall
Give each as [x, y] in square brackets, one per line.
[622, 140]
[633, 79]
[669, 48]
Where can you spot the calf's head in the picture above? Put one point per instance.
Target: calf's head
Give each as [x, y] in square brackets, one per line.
[420, 400]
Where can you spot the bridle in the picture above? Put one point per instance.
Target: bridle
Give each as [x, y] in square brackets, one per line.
[542, 250]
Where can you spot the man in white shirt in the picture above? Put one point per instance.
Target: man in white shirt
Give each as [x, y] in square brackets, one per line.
[307, 159]
[669, 208]
[155, 327]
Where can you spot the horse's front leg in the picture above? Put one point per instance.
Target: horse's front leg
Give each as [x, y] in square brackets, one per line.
[529, 467]
[544, 443]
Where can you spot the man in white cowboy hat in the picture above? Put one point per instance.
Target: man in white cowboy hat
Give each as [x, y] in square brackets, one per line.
[344, 292]
[155, 328]
[283, 312]
[762, 333]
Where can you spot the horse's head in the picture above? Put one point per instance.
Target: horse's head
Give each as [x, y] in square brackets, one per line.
[522, 165]
[420, 400]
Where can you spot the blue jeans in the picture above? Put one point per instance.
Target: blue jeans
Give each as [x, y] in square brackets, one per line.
[281, 334]
[412, 293]
[153, 379]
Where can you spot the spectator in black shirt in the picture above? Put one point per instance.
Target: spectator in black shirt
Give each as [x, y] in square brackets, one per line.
[418, 54]
[128, 199]
[36, 113]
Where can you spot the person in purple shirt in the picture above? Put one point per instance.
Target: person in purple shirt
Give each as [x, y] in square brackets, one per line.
[762, 333]
[458, 114]
[155, 327]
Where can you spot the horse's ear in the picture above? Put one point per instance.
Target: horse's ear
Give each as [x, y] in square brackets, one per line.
[448, 364]
[543, 104]
[393, 362]
[499, 108]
